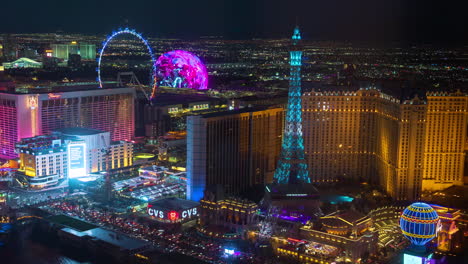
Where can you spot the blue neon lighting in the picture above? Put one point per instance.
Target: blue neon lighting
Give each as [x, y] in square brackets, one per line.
[419, 223]
[292, 166]
[139, 36]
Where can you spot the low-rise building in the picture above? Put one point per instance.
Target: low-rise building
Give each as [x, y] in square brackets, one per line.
[43, 161]
[220, 216]
[347, 223]
[22, 63]
[453, 224]
[348, 231]
[102, 154]
[50, 160]
[173, 210]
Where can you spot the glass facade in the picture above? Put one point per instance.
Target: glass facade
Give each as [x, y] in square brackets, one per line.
[235, 150]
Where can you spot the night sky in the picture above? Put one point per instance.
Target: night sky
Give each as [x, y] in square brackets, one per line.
[354, 20]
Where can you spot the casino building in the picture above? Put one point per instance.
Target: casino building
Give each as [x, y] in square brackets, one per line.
[298, 202]
[43, 161]
[6, 218]
[40, 111]
[405, 146]
[171, 108]
[453, 225]
[102, 153]
[343, 234]
[236, 149]
[348, 223]
[226, 217]
[49, 160]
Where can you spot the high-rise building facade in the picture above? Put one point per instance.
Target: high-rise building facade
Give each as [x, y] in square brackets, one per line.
[368, 135]
[8, 127]
[63, 51]
[235, 149]
[409, 162]
[444, 155]
[39, 112]
[87, 51]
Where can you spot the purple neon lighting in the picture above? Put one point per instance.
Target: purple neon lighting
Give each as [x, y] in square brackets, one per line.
[302, 218]
[181, 69]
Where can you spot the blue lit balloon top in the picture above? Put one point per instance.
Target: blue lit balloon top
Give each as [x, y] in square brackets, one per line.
[418, 222]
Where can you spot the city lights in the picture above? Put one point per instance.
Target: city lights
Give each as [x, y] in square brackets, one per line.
[216, 137]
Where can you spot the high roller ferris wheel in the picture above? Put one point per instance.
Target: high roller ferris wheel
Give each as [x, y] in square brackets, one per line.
[154, 83]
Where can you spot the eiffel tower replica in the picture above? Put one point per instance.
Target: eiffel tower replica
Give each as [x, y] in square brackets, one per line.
[291, 190]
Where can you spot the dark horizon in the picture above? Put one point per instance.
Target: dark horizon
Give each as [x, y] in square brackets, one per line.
[399, 21]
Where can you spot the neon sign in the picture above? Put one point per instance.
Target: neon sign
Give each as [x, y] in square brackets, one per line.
[54, 96]
[189, 213]
[32, 102]
[156, 213]
[173, 215]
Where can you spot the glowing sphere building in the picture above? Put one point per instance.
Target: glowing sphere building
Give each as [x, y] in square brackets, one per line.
[418, 223]
[181, 69]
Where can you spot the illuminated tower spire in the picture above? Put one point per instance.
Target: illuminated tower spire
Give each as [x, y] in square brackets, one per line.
[292, 166]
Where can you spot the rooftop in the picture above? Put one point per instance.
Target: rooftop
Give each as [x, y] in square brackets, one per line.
[164, 99]
[235, 112]
[294, 191]
[62, 87]
[41, 144]
[79, 131]
[173, 203]
[349, 217]
[117, 239]
[71, 223]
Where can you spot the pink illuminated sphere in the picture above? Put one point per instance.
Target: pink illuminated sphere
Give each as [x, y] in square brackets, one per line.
[181, 69]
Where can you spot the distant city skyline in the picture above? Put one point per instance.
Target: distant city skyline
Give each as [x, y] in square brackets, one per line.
[368, 21]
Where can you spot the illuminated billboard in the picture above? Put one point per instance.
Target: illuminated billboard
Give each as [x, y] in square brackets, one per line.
[410, 259]
[173, 210]
[173, 216]
[76, 160]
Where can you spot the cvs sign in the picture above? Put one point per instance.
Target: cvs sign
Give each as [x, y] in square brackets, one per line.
[189, 213]
[173, 215]
[156, 213]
